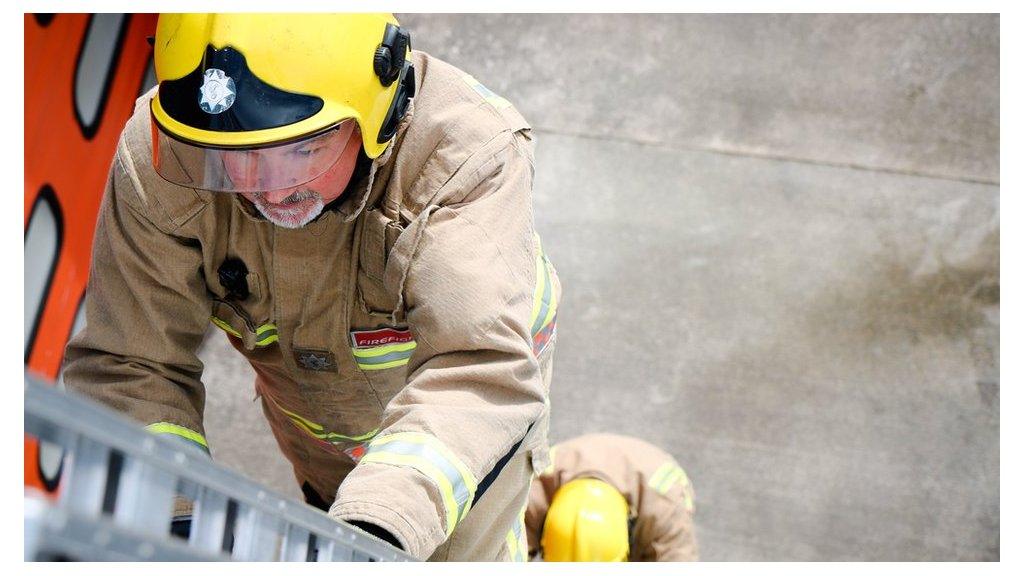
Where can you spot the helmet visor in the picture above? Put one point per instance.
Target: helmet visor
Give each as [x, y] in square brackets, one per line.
[252, 169]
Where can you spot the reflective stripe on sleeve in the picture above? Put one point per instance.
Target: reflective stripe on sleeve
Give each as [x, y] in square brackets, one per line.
[180, 431]
[493, 99]
[659, 475]
[225, 326]
[667, 475]
[670, 480]
[512, 544]
[551, 462]
[515, 539]
[266, 334]
[545, 305]
[429, 456]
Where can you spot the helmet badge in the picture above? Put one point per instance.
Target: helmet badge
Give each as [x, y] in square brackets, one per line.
[217, 93]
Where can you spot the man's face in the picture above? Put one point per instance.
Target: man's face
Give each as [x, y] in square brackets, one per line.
[298, 205]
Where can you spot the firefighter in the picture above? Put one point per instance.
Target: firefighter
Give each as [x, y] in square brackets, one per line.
[371, 254]
[608, 498]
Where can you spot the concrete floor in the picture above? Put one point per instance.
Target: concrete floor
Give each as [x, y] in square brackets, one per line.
[779, 242]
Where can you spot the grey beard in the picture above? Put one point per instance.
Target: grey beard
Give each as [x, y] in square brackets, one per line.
[286, 218]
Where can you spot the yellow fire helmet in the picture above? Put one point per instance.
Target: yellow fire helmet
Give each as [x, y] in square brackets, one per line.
[588, 521]
[256, 102]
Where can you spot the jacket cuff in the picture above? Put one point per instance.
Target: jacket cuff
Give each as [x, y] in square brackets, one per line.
[399, 500]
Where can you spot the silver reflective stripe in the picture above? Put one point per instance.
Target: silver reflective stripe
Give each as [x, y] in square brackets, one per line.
[545, 300]
[426, 452]
[389, 357]
[517, 530]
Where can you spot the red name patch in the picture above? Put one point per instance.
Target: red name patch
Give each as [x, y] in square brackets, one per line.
[382, 337]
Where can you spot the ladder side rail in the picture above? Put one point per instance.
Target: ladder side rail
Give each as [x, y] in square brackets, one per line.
[57, 416]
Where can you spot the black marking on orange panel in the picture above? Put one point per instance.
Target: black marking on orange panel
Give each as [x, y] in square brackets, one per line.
[88, 131]
[47, 195]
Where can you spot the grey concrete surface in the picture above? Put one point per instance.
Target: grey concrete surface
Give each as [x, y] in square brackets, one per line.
[779, 242]
[783, 329]
[915, 93]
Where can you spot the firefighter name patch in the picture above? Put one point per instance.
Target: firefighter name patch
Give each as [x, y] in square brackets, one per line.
[380, 337]
[316, 360]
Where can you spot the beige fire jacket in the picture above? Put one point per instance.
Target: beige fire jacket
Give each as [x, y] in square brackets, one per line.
[409, 330]
[658, 492]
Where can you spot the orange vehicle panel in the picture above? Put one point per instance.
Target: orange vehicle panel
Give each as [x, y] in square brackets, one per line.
[66, 164]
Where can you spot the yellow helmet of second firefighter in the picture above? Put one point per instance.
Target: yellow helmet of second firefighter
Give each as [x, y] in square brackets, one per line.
[588, 521]
[269, 86]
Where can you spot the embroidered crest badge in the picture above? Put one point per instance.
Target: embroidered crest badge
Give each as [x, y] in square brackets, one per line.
[316, 360]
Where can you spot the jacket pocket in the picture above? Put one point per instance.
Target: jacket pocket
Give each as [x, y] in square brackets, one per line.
[378, 237]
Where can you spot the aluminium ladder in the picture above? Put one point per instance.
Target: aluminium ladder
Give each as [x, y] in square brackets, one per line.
[118, 488]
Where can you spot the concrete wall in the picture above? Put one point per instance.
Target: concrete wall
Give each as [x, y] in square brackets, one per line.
[779, 242]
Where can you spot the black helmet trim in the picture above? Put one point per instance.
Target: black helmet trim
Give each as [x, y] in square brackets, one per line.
[399, 104]
[389, 64]
[223, 95]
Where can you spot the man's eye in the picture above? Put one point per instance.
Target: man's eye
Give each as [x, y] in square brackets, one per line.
[307, 151]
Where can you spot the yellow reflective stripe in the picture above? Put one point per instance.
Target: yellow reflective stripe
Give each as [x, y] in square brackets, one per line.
[499, 102]
[513, 546]
[384, 357]
[301, 425]
[426, 439]
[382, 350]
[312, 428]
[225, 326]
[544, 287]
[333, 435]
[660, 474]
[553, 305]
[181, 431]
[269, 339]
[431, 457]
[519, 533]
[316, 430]
[670, 480]
[385, 365]
[490, 97]
[551, 461]
[307, 423]
[428, 469]
[538, 291]
[683, 477]
[307, 426]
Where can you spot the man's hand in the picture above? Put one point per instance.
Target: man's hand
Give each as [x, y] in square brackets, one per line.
[377, 531]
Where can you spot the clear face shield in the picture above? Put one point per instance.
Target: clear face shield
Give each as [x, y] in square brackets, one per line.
[253, 169]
